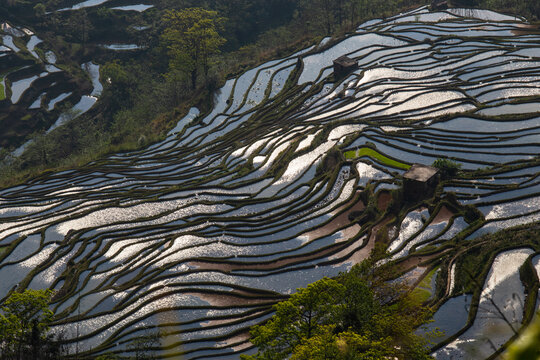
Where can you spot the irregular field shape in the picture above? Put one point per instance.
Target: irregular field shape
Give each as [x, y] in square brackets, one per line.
[250, 217]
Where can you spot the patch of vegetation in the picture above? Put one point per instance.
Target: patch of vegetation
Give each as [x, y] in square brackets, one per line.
[424, 290]
[2, 90]
[158, 87]
[479, 253]
[359, 315]
[192, 39]
[24, 326]
[420, 295]
[25, 331]
[448, 168]
[153, 88]
[527, 8]
[526, 347]
[377, 156]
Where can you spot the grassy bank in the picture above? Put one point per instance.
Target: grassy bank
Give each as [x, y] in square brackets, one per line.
[377, 156]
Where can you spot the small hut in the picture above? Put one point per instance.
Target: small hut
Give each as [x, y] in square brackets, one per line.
[439, 5]
[420, 181]
[344, 65]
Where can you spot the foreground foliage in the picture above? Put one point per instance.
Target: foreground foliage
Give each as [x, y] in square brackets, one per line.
[526, 347]
[355, 316]
[24, 327]
[25, 331]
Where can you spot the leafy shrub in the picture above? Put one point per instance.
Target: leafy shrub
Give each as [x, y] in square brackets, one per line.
[471, 214]
[448, 168]
[359, 315]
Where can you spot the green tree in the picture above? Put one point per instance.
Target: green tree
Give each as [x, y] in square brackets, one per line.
[359, 315]
[358, 304]
[347, 345]
[119, 84]
[527, 346]
[447, 167]
[24, 325]
[192, 38]
[40, 10]
[320, 13]
[324, 345]
[297, 319]
[79, 27]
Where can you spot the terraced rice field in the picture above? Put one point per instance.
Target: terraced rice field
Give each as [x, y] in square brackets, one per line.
[92, 3]
[197, 236]
[34, 90]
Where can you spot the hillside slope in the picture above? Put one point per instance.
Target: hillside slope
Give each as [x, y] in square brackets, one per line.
[197, 236]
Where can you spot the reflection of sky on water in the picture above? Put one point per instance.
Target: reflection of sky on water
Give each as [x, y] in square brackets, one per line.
[230, 200]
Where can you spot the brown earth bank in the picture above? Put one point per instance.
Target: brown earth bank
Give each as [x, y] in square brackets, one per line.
[526, 29]
[444, 215]
[384, 200]
[338, 222]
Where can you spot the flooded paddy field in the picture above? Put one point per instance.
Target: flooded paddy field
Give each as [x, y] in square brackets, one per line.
[38, 91]
[196, 237]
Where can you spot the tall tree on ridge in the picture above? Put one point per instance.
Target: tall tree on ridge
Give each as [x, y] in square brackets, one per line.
[192, 37]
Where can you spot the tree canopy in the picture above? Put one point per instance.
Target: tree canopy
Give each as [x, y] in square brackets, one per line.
[356, 316]
[448, 168]
[24, 324]
[192, 37]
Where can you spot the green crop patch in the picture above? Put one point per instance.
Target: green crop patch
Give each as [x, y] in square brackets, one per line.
[2, 90]
[377, 156]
